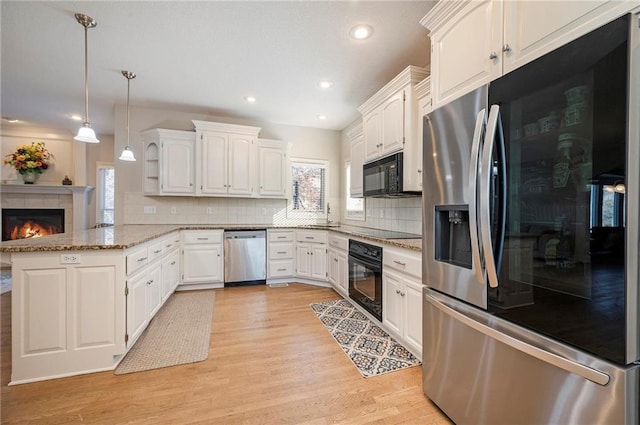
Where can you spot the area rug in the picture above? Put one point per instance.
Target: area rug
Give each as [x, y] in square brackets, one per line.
[371, 349]
[178, 334]
[5, 280]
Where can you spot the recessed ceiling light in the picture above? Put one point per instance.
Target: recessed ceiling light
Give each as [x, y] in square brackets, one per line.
[361, 32]
[250, 99]
[76, 117]
[322, 117]
[325, 84]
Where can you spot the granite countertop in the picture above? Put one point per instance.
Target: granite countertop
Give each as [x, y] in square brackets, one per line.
[126, 236]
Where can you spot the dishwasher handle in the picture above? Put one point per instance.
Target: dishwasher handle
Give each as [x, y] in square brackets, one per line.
[245, 234]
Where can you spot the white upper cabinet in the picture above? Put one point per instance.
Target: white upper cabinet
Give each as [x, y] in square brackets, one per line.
[356, 141]
[273, 163]
[390, 123]
[227, 159]
[423, 93]
[169, 162]
[475, 42]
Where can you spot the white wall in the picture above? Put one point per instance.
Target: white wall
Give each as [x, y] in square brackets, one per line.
[306, 143]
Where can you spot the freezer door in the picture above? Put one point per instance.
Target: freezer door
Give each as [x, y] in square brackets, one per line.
[482, 370]
[452, 261]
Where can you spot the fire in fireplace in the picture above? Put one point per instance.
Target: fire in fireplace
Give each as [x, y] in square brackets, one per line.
[31, 223]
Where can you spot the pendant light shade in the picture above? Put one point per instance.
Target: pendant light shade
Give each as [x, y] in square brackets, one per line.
[86, 133]
[127, 153]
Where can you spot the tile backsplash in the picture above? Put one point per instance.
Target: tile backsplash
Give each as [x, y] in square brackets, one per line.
[401, 214]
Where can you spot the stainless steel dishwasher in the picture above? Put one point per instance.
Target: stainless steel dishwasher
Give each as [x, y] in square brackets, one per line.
[245, 257]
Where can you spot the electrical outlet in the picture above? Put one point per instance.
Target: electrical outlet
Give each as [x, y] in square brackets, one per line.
[149, 209]
[69, 259]
[174, 210]
[209, 210]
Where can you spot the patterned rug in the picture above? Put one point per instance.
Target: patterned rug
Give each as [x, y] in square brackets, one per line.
[178, 334]
[5, 280]
[371, 349]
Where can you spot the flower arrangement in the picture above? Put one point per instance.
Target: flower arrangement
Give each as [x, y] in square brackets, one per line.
[34, 157]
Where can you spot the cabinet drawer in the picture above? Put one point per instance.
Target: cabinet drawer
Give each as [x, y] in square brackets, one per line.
[171, 242]
[279, 251]
[339, 242]
[403, 261]
[198, 237]
[280, 268]
[137, 259]
[155, 250]
[311, 236]
[281, 236]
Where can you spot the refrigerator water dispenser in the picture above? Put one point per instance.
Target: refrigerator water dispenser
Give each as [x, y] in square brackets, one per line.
[452, 237]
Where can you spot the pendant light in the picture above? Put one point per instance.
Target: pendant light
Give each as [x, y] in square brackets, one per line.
[127, 153]
[86, 133]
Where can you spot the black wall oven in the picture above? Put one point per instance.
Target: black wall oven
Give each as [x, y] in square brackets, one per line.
[365, 276]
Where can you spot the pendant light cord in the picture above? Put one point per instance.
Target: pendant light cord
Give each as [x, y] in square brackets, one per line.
[128, 85]
[86, 76]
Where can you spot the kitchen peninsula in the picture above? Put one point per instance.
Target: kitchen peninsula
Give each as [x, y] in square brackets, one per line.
[80, 300]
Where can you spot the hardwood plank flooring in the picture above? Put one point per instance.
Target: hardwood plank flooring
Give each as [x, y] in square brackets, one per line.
[271, 361]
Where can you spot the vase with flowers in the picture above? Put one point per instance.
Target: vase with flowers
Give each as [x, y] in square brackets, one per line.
[30, 161]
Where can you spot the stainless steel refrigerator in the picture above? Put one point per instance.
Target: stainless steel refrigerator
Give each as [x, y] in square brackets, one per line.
[530, 253]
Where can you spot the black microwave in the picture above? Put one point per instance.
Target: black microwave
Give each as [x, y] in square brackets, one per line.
[383, 178]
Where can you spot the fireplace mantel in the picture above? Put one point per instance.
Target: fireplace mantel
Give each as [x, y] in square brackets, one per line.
[80, 197]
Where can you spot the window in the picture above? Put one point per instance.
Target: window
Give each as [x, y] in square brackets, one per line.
[608, 205]
[105, 194]
[354, 207]
[309, 187]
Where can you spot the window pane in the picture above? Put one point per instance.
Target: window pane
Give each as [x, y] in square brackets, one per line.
[106, 193]
[308, 188]
[608, 208]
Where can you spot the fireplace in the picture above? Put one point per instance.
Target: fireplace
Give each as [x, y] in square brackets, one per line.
[26, 223]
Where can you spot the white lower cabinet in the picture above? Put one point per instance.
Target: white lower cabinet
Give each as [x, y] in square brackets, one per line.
[338, 263]
[311, 254]
[170, 273]
[154, 290]
[280, 254]
[137, 317]
[202, 258]
[402, 297]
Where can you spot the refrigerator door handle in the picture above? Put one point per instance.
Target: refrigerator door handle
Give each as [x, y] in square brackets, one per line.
[586, 372]
[486, 171]
[474, 171]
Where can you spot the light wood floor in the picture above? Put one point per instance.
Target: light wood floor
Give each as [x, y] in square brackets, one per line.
[271, 361]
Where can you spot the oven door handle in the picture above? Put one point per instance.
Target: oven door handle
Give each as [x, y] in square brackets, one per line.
[376, 267]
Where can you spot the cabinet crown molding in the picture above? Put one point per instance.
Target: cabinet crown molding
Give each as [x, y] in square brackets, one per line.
[167, 133]
[410, 75]
[228, 128]
[355, 132]
[423, 88]
[441, 13]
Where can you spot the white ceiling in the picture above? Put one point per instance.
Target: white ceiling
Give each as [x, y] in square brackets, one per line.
[204, 57]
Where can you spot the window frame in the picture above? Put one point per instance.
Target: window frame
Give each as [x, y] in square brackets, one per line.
[300, 214]
[100, 191]
[351, 214]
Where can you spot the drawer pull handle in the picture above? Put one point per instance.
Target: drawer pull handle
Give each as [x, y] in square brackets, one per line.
[282, 270]
[282, 252]
[203, 239]
[173, 263]
[157, 251]
[493, 55]
[282, 237]
[141, 259]
[400, 263]
[168, 245]
[309, 237]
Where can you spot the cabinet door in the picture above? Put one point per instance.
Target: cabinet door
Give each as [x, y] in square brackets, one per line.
[272, 162]
[213, 163]
[393, 124]
[392, 301]
[413, 314]
[332, 267]
[357, 161]
[137, 317]
[343, 272]
[202, 263]
[319, 262]
[242, 164]
[303, 260]
[462, 51]
[170, 274]
[154, 290]
[372, 130]
[532, 29]
[177, 166]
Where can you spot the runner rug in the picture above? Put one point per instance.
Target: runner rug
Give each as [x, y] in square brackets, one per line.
[178, 334]
[371, 349]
